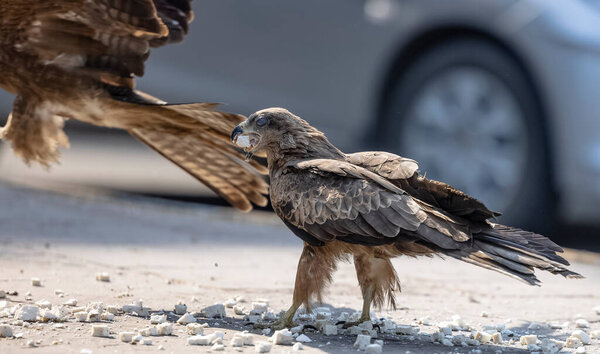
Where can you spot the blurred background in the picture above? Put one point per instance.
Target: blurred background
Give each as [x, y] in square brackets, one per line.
[499, 98]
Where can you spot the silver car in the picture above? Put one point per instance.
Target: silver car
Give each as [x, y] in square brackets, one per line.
[499, 98]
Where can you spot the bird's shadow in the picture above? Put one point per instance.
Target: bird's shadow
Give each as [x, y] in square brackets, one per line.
[393, 343]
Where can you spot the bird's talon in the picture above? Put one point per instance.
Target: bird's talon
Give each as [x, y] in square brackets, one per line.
[350, 324]
[275, 326]
[355, 323]
[259, 325]
[279, 325]
[308, 326]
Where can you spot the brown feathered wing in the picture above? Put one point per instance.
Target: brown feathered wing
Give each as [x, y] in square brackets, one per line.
[105, 40]
[403, 172]
[100, 46]
[329, 199]
[205, 152]
[359, 206]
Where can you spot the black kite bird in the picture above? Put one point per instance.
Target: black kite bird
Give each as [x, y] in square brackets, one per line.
[77, 59]
[374, 206]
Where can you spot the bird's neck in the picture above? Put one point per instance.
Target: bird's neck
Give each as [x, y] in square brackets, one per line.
[302, 148]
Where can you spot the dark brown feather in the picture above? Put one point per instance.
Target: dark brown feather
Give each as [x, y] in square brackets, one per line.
[103, 39]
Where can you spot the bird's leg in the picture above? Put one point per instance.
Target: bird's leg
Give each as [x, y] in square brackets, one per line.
[314, 273]
[377, 280]
[367, 294]
[366, 309]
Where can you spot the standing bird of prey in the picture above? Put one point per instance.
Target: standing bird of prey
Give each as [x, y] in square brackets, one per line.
[77, 59]
[374, 206]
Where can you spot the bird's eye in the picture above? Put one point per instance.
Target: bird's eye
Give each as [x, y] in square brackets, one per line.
[261, 121]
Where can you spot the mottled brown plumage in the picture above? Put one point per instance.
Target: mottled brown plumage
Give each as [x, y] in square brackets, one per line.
[77, 59]
[374, 206]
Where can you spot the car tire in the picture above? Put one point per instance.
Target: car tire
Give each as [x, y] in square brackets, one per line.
[533, 204]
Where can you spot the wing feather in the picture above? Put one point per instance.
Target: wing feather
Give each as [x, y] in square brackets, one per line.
[356, 205]
[216, 168]
[380, 223]
[105, 40]
[202, 148]
[403, 172]
[386, 164]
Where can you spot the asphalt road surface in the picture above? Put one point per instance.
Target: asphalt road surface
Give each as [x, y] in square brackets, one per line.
[162, 252]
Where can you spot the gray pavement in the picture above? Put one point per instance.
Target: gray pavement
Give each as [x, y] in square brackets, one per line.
[163, 251]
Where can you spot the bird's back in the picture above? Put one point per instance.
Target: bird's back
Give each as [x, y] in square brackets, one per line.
[404, 173]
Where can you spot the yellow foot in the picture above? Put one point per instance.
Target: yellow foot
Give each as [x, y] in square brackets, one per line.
[350, 324]
[355, 323]
[277, 325]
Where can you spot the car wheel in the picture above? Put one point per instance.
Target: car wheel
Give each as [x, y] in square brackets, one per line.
[466, 112]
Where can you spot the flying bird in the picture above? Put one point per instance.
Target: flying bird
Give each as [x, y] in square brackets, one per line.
[373, 206]
[78, 59]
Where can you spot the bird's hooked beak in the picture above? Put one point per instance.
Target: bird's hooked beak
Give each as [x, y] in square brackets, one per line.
[238, 130]
[245, 138]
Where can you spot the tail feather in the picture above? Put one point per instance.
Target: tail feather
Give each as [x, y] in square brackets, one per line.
[514, 252]
[520, 267]
[196, 138]
[529, 240]
[491, 265]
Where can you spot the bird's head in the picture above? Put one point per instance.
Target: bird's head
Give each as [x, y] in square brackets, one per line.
[277, 132]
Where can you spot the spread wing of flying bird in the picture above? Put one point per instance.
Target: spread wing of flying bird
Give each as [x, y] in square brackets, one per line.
[77, 59]
[374, 206]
